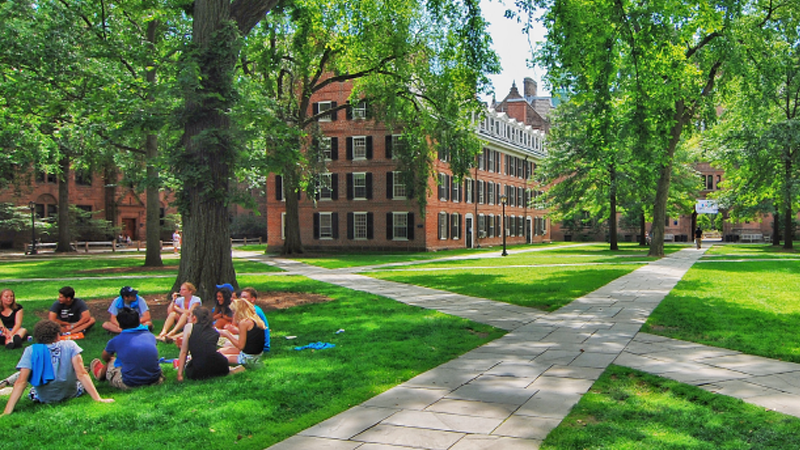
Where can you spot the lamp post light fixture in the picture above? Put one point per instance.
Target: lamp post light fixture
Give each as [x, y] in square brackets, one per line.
[504, 200]
[32, 207]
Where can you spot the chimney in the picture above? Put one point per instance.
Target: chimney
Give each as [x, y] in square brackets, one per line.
[529, 87]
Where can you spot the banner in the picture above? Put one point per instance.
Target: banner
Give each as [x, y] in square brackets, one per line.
[706, 207]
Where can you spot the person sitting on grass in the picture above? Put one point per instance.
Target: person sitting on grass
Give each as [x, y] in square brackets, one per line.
[200, 342]
[71, 313]
[53, 367]
[11, 317]
[183, 302]
[251, 295]
[248, 344]
[136, 361]
[128, 297]
[222, 313]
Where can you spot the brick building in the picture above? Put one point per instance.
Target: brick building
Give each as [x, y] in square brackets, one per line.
[362, 204]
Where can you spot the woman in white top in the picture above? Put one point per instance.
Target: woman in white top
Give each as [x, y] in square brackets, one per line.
[183, 302]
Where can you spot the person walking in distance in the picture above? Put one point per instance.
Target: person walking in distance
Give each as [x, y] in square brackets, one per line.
[698, 237]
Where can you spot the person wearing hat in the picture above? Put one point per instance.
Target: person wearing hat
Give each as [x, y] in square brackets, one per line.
[128, 298]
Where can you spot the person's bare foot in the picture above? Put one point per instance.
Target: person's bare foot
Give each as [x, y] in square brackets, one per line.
[237, 369]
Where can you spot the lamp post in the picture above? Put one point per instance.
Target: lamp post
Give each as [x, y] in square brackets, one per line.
[504, 200]
[32, 207]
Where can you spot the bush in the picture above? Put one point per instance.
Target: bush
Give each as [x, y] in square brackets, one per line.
[248, 226]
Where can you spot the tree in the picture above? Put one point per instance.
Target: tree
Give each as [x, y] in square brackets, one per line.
[759, 140]
[417, 65]
[669, 55]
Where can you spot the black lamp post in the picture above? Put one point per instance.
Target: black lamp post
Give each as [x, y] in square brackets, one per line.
[32, 206]
[504, 200]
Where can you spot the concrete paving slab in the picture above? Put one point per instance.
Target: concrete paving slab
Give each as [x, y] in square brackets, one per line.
[491, 410]
[404, 397]
[495, 390]
[739, 389]
[527, 427]
[370, 446]
[785, 382]
[442, 378]
[753, 365]
[478, 442]
[306, 443]
[349, 423]
[782, 403]
[594, 359]
[411, 437]
[560, 357]
[555, 405]
[444, 421]
[517, 370]
[561, 385]
[566, 371]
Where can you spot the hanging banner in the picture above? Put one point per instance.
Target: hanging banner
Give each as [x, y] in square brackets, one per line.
[706, 207]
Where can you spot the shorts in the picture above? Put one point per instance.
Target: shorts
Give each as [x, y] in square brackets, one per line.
[33, 395]
[246, 358]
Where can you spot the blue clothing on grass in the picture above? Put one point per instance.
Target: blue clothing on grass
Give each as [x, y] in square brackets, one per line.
[137, 355]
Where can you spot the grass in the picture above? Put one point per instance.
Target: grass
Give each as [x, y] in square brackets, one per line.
[627, 409]
[339, 261]
[746, 306]
[82, 266]
[744, 251]
[384, 343]
[544, 288]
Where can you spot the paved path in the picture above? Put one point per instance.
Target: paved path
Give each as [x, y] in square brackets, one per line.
[509, 393]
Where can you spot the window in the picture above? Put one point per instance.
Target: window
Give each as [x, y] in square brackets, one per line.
[360, 186]
[325, 226]
[44, 177]
[481, 188]
[455, 226]
[360, 110]
[481, 226]
[443, 225]
[325, 186]
[399, 226]
[83, 177]
[490, 188]
[468, 190]
[360, 225]
[394, 145]
[490, 226]
[359, 147]
[325, 148]
[490, 161]
[322, 107]
[283, 226]
[398, 187]
[710, 182]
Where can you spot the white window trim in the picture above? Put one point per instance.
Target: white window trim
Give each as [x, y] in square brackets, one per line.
[359, 138]
[330, 219]
[395, 226]
[359, 174]
[355, 227]
[327, 117]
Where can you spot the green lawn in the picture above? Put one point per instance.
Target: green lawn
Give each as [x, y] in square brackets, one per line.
[104, 266]
[544, 288]
[752, 307]
[384, 343]
[626, 409]
[745, 251]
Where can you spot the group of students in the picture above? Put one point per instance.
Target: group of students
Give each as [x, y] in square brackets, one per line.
[54, 365]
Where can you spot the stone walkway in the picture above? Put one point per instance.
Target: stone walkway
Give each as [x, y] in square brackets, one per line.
[509, 393]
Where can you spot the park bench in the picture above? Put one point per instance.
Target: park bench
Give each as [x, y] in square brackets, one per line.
[754, 237]
[669, 238]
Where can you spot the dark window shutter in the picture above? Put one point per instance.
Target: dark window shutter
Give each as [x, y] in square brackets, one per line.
[349, 150]
[299, 194]
[279, 187]
[389, 146]
[439, 226]
[454, 225]
[334, 186]
[474, 191]
[369, 185]
[390, 185]
[441, 187]
[369, 147]
[335, 225]
[318, 184]
[334, 148]
[333, 113]
[350, 225]
[350, 186]
[370, 221]
[315, 108]
[389, 227]
[453, 190]
[348, 109]
[316, 225]
[410, 226]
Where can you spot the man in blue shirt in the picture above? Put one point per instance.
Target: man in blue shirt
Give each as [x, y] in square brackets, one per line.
[131, 357]
[128, 297]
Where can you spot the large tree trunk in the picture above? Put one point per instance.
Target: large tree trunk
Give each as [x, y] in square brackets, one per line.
[292, 244]
[642, 232]
[210, 151]
[664, 179]
[153, 225]
[63, 207]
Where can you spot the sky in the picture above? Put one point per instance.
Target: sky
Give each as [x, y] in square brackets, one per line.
[511, 45]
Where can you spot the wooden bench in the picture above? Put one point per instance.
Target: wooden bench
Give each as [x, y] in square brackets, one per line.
[669, 238]
[754, 237]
